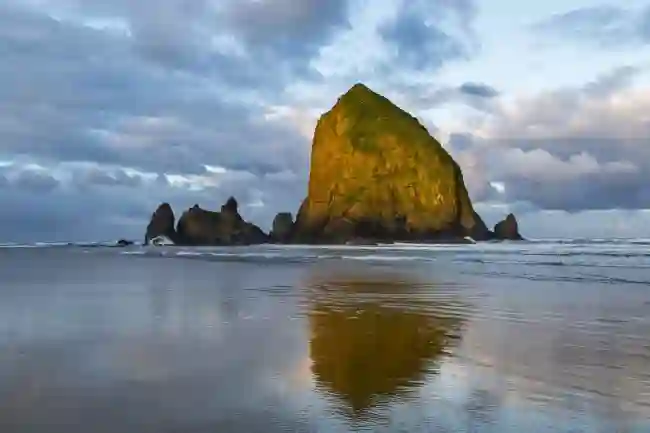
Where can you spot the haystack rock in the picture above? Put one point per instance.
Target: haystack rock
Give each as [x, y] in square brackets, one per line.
[508, 229]
[161, 224]
[376, 173]
[202, 227]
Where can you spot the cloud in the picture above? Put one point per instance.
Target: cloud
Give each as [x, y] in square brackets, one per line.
[609, 107]
[479, 90]
[469, 93]
[605, 25]
[612, 82]
[108, 108]
[203, 33]
[101, 98]
[578, 183]
[35, 181]
[572, 149]
[32, 179]
[610, 223]
[425, 35]
[107, 203]
[100, 93]
[390, 45]
[97, 100]
[95, 176]
[85, 201]
[289, 26]
[417, 43]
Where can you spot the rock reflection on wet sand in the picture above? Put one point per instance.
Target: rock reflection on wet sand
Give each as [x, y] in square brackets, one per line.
[368, 352]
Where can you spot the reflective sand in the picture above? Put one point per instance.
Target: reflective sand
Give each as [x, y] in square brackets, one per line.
[261, 339]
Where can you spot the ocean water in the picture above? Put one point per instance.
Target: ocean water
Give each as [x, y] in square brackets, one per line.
[547, 336]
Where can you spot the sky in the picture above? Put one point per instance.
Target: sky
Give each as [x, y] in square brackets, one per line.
[108, 108]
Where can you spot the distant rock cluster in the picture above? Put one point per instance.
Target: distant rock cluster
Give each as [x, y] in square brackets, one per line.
[376, 175]
[198, 227]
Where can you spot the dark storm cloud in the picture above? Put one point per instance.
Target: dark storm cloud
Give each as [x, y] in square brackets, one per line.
[607, 25]
[419, 45]
[290, 27]
[29, 178]
[581, 181]
[479, 90]
[30, 215]
[242, 40]
[73, 93]
[247, 43]
[598, 191]
[35, 181]
[419, 39]
[559, 173]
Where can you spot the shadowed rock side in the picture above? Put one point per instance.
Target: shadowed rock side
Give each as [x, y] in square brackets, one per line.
[508, 229]
[282, 227]
[377, 173]
[161, 224]
[202, 227]
[368, 352]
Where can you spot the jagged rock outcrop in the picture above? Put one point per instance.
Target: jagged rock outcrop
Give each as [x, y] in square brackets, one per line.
[231, 207]
[508, 229]
[377, 173]
[161, 224]
[202, 227]
[282, 229]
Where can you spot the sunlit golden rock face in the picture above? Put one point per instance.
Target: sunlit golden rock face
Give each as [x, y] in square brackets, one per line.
[367, 352]
[376, 172]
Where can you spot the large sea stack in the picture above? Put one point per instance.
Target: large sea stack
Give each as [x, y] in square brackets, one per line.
[377, 173]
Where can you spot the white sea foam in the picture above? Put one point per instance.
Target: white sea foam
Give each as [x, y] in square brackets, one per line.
[161, 241]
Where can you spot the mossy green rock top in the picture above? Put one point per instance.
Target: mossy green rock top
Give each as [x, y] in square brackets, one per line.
[377, 172]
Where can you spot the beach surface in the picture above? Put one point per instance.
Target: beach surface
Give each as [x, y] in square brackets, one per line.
[544, 336]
